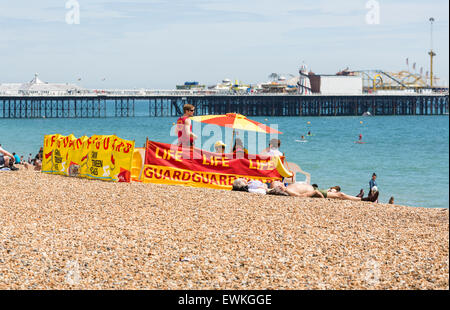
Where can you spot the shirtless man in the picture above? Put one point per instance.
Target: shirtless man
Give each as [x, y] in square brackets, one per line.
[306, 190]
[184, 127]
[295, 190]
[335, 193]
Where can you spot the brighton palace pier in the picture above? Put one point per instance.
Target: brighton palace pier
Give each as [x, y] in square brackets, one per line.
[37, 99]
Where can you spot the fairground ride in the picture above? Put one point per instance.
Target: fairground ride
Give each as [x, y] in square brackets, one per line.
[378, 80]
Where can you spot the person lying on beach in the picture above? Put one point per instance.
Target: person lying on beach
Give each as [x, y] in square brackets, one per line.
[253, 186]
[335, 193]
[295, 190]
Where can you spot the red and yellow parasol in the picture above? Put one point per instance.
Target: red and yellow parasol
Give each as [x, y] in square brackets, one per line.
[235, 121]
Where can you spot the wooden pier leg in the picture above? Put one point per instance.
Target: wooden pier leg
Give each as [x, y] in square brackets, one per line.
[300, 106]
[422, 112]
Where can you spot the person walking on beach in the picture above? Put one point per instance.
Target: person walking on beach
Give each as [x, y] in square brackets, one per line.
[184, 127]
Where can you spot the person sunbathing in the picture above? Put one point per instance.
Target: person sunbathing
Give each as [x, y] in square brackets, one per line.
[275, 188]
[252, 186]
[295, 190]
[335, 193]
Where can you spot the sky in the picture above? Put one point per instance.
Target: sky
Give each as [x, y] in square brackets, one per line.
[157, 44]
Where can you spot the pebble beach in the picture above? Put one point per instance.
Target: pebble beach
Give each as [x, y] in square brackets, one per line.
[58, 232]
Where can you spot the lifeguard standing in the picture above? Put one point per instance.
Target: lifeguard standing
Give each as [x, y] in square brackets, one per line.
[184, 127]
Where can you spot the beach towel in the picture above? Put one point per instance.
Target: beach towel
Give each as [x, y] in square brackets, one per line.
[256, 187]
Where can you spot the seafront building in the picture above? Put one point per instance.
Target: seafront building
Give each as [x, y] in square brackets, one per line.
[38, 87]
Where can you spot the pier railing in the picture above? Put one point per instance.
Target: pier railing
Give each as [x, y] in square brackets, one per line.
[170, 104]
[181, 93]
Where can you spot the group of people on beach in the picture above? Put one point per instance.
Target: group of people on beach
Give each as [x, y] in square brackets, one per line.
[299, 189]
[8, 160]
[187, 138]
[304, 189]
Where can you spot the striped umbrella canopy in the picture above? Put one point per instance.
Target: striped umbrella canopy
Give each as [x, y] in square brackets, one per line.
[235, 121]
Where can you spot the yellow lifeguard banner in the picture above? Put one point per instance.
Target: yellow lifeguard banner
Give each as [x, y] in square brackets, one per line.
[104, 157]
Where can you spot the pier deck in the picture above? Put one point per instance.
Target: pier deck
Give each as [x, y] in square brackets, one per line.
[171, 105]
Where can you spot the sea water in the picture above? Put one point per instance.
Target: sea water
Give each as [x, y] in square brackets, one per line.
[410, 154]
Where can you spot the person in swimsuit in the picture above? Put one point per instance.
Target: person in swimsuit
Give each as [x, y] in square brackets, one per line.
[335, 193]
[252, 186]
[184, 127]
[295, 189]
[334, 189]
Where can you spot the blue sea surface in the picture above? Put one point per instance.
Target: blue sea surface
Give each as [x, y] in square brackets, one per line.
[410, 154]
